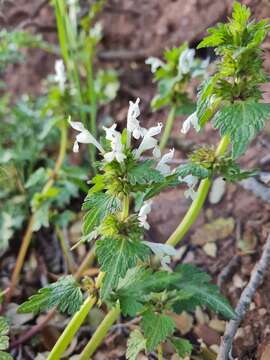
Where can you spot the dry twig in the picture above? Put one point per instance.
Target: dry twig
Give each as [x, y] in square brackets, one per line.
[244, 302]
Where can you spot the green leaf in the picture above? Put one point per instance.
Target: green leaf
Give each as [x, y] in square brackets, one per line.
[155, 189]
[65, 294]
[143, 173]
[5, 356]
[41, 216]
[99, 205]
[135, 344]
[4, 329]
[241, 121]
[193, 169]
[134, 288]
[197, 283]
[156, 328]
[182, 346]
[116, 256]
[38, 177]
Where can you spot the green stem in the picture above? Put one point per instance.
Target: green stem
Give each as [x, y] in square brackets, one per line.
[29, 230]
[160, 352]
[93, 106]
[70, 331]
[66, 250]
[100, 333]
[197, 204]
[168, 128]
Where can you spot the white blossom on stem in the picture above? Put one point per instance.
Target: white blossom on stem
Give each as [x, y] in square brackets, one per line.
[191, 182]
[155, 63]
[148, 141]
[191, 120]
[84, 137]
[60, 74]
[142, 216]
[116, 145]
[133, 124]
[186, 60]
[162, 165]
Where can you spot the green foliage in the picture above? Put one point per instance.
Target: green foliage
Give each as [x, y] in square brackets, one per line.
[116, 256]
[156, 328]
[4, 339]
[136, 343]
[65, 294]
[12, 42]
[193, 169]
[231, 171]
[143, 173]
[182, 346]
[241, 121]
[202, 293]
[172, 79]
[98, 206]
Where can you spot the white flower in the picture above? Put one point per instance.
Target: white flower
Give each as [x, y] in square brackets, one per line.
[157, 152]
[148, 141]
[85, 137]
[186, 61]
[116, 144]
[133, 124]
[155, 63]
[162, 165]
[142, 216]
[191, 182]
[163, 251]
[60, 74]
[191, 120]
[96, 31]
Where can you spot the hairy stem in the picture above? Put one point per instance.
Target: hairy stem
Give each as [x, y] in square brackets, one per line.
[87, 261]
[197, 204]
[66, 250]
[168, 128]
[100, 333]
[29, 230]
[160, 352]
[70, 331]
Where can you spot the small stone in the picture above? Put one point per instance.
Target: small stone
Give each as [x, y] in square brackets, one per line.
[217, 191]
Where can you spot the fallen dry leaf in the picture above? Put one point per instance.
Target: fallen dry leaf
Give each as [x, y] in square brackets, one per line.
[216, 230]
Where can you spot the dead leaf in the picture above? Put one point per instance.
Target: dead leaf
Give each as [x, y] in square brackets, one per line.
[210, 249]
[266, 353]
[216, 230]
[184, 322]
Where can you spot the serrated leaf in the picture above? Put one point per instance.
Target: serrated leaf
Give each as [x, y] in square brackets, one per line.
[143, 173]
[65, 294]
[193, 169]
[99, 205]
[197, 283]
[116, 256]
[156, 328]
[135, 344]
[155, 189]
[138, 283]
[4, 329]
[38, 177]
[182, 346]
[5, 356]
[241, 121]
